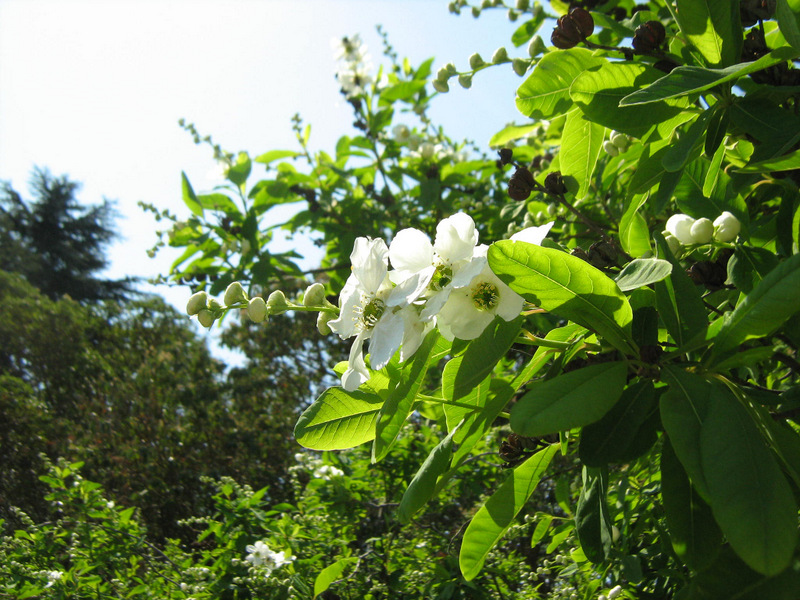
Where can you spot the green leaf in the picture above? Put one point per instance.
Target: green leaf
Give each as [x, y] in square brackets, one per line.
[607, 440]
[423, 486]
[398, 406]
[764, 309]
[748, 266]
[679, 153]
[695, 536]
[598, 92]
[274, 155]
[511, 133]
[527, 30]
[750, 497]
[592, 521]
[581, 142]
[405, 90]
[545, 93]
[690, 80]
[468, 369]
[684, 408]
[714, 28]
[331, 573]
[787, 162]
[570, 400]
[643, 271]
[787, 13]
[239, 170]
[566, 286]
[633, 232]
[218, 202]
[498, 513]
[717, 128]
[189, 198]
[338, 419]
[678, 302]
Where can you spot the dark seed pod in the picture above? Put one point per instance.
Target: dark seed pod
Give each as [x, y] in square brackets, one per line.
[649, 36]
[566, 34]
[506, 155]
[751, 11]
[708, 273]
[583, 20]
[602, 254]
[618, 13]
[521, 184]
[554, 183]
[580, 253]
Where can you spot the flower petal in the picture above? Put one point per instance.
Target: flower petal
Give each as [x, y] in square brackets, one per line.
[411, 251]
[370, 260]
[387, 335]
[533, 235]
[356, 372]
[456, 237]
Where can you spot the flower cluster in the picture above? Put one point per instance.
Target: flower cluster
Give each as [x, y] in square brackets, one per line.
[445, 284]
[261, 556]
[684, 230]
[354, 75]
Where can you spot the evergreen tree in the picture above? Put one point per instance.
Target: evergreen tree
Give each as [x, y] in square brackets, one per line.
[56, 243]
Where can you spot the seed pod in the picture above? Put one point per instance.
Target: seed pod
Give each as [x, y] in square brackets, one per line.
[555, 184]
[521, 184]
[649, 36]
[566, 33]
[708, 273]
[602, 254]
[583, 20]
[506, 155]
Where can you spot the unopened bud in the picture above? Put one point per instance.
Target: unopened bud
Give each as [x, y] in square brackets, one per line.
[206, 318]
[726, 227]
[441, 86]
[536, 46]
[610, 148]
[315, 295]
[196, 303]
[450, 69]
[322, 322]
[465, 80]
[522, 4]
[476, 61]
[680, 226]
[234, 294]
[500, 56]
[614, 592]
[620, 140]
[702, 231]
[257, 309]
[277, 303]
[520, 66]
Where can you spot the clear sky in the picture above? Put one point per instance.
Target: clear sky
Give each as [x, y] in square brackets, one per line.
[94, 89]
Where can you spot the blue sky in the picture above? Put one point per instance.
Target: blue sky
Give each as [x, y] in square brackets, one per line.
[94, 89]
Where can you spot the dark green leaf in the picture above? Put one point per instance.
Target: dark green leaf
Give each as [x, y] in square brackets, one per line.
[423, 486]
[787, 12]
[592, 521]
[679, 153]
[748, 266]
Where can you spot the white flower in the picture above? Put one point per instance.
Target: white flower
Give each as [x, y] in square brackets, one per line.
[469, 310]
[52, 577]
[401, 133]
[350, 48]
[433, 271]
[726, 227]
[354, 79]
[533, 235]
[327, 472]
[680, 226]
[363, 311]
[614, 592]
[260, 555]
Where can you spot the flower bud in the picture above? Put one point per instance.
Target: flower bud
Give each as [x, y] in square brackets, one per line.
[680, 226]
[322, 322]
[610, 148]
[522, 5]
[277, 303]
[620, 140]
[476, 11]
[500, 56]
[476, 61]
[315, 295]
[257, 309]
[702, 231]
[441, 86]
[536, 46]
[234, 294]
[512, 15]
[520, 66]
[614, 592]
[726, 227]
[214, 305]
[427, 150]
[465, 80]
[673, 243]
[196, 303]
[450, 69]
[246, 246]
[206, 317]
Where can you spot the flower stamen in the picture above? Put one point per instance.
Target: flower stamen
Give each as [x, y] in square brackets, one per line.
[485, 296]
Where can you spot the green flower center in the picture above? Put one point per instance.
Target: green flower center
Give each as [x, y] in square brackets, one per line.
[485, 296]
[442, 277]
[372, 312]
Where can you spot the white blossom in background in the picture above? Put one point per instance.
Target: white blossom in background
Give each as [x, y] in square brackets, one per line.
[52, 577]
[327, 472]
[355, 72]
[260, 555]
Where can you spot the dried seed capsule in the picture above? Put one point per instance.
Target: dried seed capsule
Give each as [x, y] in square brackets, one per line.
[521, 184]
[566, 34]
[554, 183]
[506, 155]
[583, 20]
[649, 36]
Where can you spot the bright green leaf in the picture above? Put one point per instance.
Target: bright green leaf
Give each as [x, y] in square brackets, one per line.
[643, 271]
[338, 419]
[331, 573]
[189, 197]
[581, 142]
[714, 28]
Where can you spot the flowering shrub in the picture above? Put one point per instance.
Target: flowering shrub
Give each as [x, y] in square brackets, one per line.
[665, 366]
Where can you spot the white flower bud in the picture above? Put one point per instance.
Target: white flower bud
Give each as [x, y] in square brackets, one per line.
[465, 80]
[536, 46]
[476, 61]
[726, 227]
[620, 140]
[322, 322]
[680, 226]
[610, 148]
[614, 534]
[234, 294]
[401, 133]
[614, 592]
[520, 66]
[427, 150]
[673, 243]
[277, 303]
[196, 303]
[206, 318]
[702, 231]
[314, 295]
[257, 309]
[441, 86]
[500, 56]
